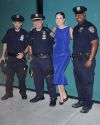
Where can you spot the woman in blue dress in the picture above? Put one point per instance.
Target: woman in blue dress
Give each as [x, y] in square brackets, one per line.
[61, 54]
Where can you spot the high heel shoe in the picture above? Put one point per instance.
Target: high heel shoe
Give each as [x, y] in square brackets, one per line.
[65, 99]
[61, 103]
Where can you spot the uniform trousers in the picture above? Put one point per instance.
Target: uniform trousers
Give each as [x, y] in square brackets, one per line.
[43, 69]
[84, 79]
[19, 67]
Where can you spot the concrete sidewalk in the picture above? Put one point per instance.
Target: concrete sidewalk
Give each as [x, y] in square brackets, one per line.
[16, 111]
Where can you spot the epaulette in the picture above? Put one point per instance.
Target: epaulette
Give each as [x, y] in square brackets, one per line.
[47, 29]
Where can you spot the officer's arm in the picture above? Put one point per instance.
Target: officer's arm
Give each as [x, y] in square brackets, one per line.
[51, 34]
[30, 52]
[54, 29]
[94, 41]
[20, 55]
[4, 49]
[94, 48]
[25, 51]
[71, 33]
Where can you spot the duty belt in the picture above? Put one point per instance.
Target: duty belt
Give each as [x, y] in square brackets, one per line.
[80, 55]
[14, 55]
[42, 55]
[11, 54]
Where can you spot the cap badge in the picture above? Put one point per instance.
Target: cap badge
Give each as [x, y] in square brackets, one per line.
[17, 16]
[36, 15]
[78, 8]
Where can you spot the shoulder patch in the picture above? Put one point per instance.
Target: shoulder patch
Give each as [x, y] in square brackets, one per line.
[52, 34]
[91, 29]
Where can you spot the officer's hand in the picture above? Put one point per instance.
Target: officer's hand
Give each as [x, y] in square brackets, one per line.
[30, 58]
[20, 56]
[88, 64]
[2, 59]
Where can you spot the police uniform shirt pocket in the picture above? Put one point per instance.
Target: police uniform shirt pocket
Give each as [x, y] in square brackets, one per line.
[52, 34]
[30, 38]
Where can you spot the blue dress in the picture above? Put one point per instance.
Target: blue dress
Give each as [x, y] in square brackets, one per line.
[61, 55]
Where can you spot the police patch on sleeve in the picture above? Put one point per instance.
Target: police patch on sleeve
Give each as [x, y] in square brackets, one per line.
[52, 34]
[91, 29]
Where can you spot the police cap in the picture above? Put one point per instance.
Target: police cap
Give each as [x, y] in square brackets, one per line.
[17, 17]
[37, 16]
[79, 9]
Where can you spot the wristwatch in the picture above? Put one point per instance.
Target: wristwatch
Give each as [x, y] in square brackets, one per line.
[90, 59]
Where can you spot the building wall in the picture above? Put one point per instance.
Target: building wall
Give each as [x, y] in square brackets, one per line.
[27, 7]
[93, 15]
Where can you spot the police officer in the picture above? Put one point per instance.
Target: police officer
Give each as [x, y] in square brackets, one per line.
[14, 44]
[85, 44]
[41, 43]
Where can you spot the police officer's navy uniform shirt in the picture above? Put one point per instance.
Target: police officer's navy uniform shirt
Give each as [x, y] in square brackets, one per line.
[41, 41]
[82, 37]
[16, 41]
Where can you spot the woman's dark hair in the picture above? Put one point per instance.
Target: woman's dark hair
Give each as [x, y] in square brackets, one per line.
[61, 13]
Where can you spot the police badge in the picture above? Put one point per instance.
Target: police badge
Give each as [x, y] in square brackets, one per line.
[80, 29]
[22, 38]
[44, 35]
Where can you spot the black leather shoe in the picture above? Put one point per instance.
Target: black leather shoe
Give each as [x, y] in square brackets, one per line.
[85, 109]
[6, 96]
[52, 102]
[37, 98]
[78, 104]
[24, 97]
